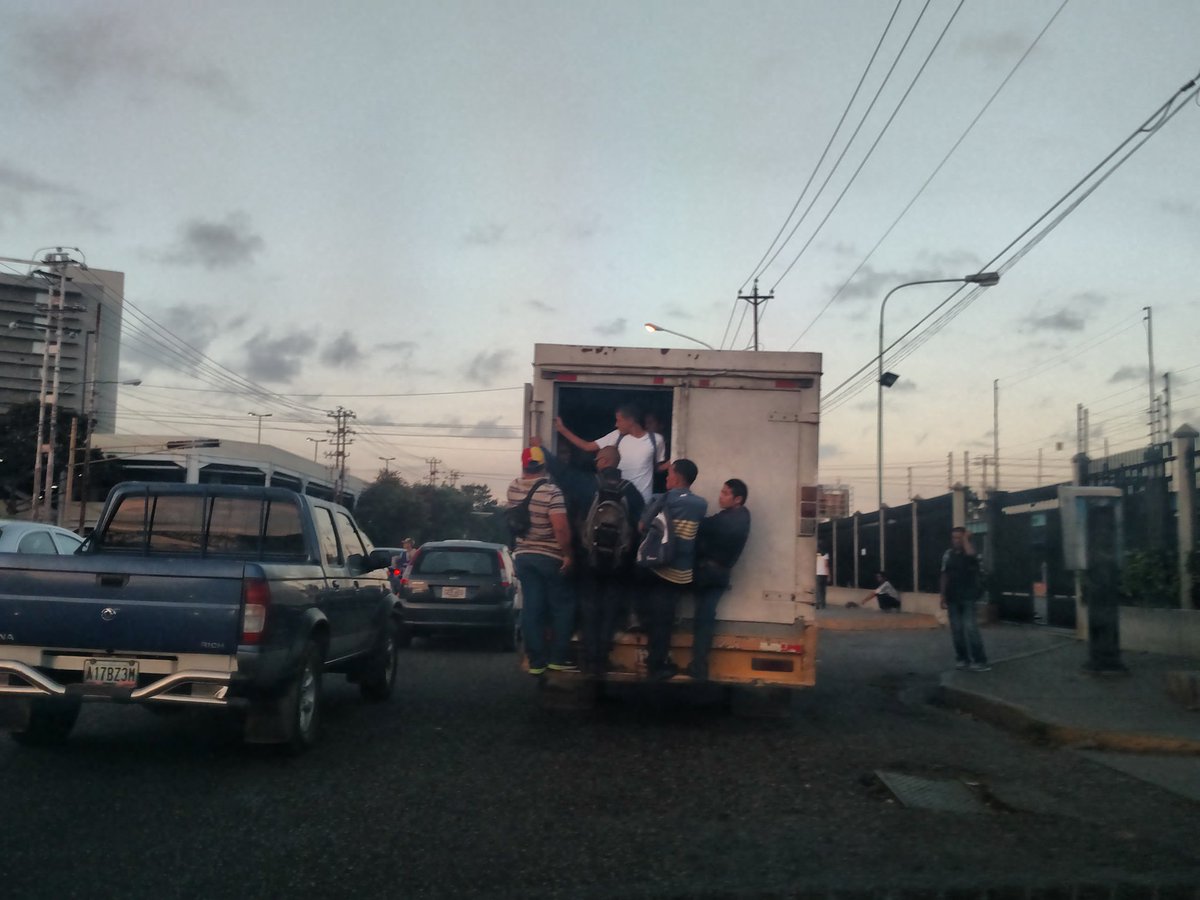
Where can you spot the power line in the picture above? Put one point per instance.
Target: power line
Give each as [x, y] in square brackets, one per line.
[932, 175]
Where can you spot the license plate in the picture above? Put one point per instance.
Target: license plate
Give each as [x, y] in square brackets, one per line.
[112, 672]
[454, 593]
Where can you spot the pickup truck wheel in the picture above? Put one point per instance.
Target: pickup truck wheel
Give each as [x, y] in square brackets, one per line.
[304, 702]
[378, 679]
[50, 723]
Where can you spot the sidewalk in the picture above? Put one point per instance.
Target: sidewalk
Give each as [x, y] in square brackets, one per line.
[1049, 696]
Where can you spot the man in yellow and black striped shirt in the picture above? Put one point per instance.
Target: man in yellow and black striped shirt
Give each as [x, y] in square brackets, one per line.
[685, 510]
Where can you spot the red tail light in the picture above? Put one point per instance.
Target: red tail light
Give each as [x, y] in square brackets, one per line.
[256, 600]
[504, 582]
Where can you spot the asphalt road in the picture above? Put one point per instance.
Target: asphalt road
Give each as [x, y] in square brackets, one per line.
[465, 786]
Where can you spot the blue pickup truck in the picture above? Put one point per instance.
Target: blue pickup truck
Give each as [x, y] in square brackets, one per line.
[198, 595]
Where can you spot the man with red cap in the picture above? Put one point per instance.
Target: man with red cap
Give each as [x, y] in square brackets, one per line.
[542, 559]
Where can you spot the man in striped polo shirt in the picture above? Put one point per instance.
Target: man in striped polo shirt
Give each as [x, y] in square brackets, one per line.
[685, 510]
[542, 559]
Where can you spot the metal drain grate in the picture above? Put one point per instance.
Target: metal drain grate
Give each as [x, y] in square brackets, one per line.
[938, 794]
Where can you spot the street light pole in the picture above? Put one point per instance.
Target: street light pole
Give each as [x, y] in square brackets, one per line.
[984, 279]
[316, 442]
[260, 417]
[386, 460]
[651, 327]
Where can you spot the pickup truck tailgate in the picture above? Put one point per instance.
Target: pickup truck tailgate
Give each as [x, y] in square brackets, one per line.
[120, 603]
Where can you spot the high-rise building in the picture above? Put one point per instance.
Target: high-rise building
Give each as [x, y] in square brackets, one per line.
[91, 347]
[834, 502]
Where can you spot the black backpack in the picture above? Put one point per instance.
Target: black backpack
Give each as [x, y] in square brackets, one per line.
[517, 517]
[607, 533]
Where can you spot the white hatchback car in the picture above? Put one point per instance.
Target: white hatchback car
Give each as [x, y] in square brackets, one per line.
[17, 536]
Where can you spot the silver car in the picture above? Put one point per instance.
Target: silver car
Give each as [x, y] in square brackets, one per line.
[17, 536]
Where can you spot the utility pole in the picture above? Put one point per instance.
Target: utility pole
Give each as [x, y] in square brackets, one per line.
[1166, 404]
[967, 469]
[386, 460]
[453, 477]
[756, 300]
[910, 490]
[1150, 352]
[43, 475]
[341, 437]
[1039, 481]
[950, 471]
[434, 462]
[996, 432]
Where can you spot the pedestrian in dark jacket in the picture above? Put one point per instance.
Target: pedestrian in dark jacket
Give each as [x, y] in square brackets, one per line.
[960, 590]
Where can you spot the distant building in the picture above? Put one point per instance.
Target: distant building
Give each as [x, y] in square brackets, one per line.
[91, 347]
[834, 501]
[199, 460]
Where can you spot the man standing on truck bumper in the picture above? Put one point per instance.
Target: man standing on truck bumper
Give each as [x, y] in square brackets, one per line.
[684, 510]
[719, 544]
[542, 560]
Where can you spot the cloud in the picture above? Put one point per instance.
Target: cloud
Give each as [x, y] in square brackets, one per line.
[342, 351]
[903, 387]
[485, 366]
[539, 305]
[24, 182]
[63, 204]
[582, 230]
[487, 234]
[831, 451]
[1062, 320]
[198, 326]
[1129, 373]
[679, 311]
[75, 54]
[1001, 46]
[613, 328]
[279, 359]
[215, 245]
[1184, 208]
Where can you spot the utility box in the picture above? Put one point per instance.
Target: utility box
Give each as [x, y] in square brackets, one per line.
[1075, 507]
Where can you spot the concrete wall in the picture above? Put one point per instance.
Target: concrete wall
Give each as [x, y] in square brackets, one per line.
[1174, 632]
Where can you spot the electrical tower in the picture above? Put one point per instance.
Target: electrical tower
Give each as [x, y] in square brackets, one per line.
[341, 437]
[434, 462]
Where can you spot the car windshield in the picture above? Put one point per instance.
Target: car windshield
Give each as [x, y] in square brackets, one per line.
[444, 561]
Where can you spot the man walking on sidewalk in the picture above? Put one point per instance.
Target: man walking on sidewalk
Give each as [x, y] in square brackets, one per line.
[960, 589]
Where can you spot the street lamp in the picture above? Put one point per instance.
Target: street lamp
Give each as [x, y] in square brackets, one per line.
[316, 442]
[887, 379]
[260, 417]
[651, 327]
[386, 460]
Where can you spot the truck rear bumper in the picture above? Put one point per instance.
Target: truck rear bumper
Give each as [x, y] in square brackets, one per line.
[187, 683]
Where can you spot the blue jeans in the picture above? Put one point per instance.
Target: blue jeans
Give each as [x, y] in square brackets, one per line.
[704, 625]
[964, 629]
[547, 601]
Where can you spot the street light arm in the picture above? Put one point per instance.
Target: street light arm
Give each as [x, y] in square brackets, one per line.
[651, 327]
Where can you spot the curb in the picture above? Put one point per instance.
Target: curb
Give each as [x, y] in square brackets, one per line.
[1026, 723]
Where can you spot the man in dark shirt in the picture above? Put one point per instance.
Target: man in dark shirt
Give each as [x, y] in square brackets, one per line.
[960, 590]
[720, 542]
[603, 588]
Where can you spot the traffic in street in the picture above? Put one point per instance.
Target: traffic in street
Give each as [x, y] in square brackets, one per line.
[464, 785]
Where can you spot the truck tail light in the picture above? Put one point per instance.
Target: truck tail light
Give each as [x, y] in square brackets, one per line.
[256, 600]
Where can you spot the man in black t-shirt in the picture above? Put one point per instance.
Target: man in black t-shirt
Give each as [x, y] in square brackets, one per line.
[960, 590]
[719, 544]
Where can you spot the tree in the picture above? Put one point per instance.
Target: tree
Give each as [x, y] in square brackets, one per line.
[18, 438]
[390, 510]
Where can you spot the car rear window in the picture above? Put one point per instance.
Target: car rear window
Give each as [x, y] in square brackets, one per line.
[456, 562]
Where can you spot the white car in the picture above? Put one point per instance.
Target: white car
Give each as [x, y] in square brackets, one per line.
[17, 536]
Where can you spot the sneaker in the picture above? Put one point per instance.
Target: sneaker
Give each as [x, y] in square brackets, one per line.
[979, 667]
[960, 665]
[537, 670]
[563, 667]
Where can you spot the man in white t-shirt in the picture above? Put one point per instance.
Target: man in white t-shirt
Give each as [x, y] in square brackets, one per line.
[640, 450]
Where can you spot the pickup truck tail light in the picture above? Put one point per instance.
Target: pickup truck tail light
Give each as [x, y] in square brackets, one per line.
[256, 600]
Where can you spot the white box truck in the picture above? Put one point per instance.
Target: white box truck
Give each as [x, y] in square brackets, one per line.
[736, 414]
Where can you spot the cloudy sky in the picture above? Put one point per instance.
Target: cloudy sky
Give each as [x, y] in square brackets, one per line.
[383, 205]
